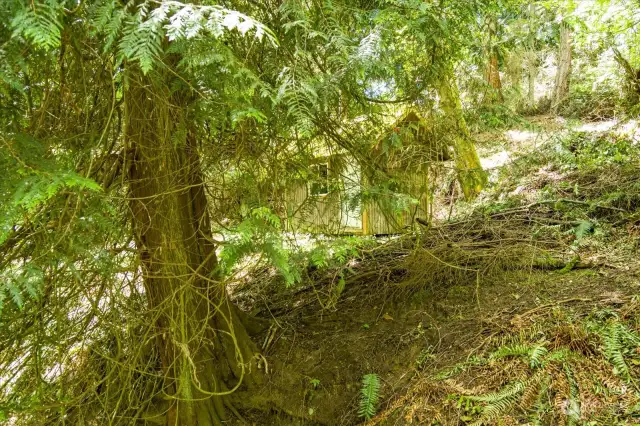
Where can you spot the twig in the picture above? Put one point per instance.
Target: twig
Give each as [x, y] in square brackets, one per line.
[550, 305]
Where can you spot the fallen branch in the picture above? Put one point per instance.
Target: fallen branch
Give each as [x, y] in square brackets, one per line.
[519, 317]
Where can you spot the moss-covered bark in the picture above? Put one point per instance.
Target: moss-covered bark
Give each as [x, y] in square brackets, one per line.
[493, 79]
[563, 73]
[204, 348]
[470, 174]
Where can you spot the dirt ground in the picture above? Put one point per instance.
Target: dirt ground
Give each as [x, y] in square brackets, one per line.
[386, 332]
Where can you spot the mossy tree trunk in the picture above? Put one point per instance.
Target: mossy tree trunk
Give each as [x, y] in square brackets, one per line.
[492, 74]
[204, 349]
[561, 88]
[532, 74]
[470, 174]
[493, 79]
[531, 56]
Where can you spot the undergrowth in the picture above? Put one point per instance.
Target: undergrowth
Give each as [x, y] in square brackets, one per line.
[493, 117]
[562, 369]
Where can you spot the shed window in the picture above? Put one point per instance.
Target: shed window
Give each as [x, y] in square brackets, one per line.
[320, 183]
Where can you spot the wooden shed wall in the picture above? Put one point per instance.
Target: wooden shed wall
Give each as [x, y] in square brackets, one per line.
[312, 213]
[308, 213]
[379, 220]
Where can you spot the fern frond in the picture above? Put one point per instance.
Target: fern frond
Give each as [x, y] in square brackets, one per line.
[614, 347]
[370, 394]
[537, 355]
[40, 22]
[511, 351]
[573, 408]
[498, 403]
[20, 281]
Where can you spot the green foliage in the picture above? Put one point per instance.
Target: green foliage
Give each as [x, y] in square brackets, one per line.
[619, 343]
[143, 32]
[493, 117]
[369, 396]
[40, 22]
[597, 150]
[618, 349]
[259, 108]
[34, 182]
[498, 403]
[18, 282]
[589, 104]
[258, 235]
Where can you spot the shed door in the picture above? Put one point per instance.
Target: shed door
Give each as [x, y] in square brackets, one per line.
[350, 211]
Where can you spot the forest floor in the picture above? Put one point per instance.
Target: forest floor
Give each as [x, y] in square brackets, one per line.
[518, 308]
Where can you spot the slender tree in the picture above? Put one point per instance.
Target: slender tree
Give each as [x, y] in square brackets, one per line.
[563, 73]
[492, 73]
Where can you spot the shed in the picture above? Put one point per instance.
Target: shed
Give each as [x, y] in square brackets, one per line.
[336, 196]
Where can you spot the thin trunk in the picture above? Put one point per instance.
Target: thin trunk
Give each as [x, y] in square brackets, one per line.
[493, 79]
[561, 88]
[204, 349]
[532, 56]
[470, 174]
[632, 76]
[532, 73]
[492, 74]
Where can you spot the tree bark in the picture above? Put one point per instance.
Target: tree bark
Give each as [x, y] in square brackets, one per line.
[470, 174]
[632, 76]
[493, 79]
[492, 75]
[532, 73]
[561, 88]
[532, 56]
[204, 349]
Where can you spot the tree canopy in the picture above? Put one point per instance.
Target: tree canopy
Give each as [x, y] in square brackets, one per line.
[157, 153]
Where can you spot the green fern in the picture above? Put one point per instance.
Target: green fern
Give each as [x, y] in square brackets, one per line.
[511, 351]
[614, 346]
[143, 32]
[498, 403]
[459, 368]
[370, 394]
[39, 22]
[142, 38]
[258, 233]
[18, 281]
[537, 356]
[573, 408]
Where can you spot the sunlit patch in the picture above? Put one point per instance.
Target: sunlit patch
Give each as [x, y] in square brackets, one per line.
[630, 130]
[550, 175]
[520, 135]
[600, 126]
[496, 160]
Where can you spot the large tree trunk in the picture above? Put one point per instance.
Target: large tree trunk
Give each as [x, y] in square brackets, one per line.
[205, 351]
[470, 174]
[561, 88]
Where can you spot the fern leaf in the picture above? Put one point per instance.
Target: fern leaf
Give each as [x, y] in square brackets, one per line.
[573, 410]
[537, 355]
[15, 293]
[613, 349]
[498, 403]
[369, 396]
[40, 22]
[511, 351]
